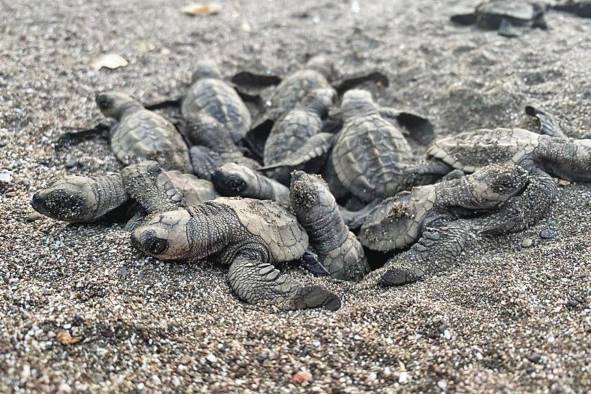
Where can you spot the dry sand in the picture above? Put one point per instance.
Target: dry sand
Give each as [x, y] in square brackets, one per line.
[513, 319]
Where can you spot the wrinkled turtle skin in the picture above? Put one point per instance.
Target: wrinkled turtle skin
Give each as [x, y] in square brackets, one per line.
[143, 135]
[369, 154]
[561, 157]
[399, 221]
[209, 94]
[81, 199]
[338, 249]
[248, 235]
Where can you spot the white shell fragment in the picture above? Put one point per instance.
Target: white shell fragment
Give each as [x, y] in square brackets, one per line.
[202, 9]
[111, 61]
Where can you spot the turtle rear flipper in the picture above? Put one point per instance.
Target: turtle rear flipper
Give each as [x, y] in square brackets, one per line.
[315, 148]
[77, 135]
[168, 103]
[258, 282]
[464, 19]
[255, 80]
[352, 81]
[548, 124]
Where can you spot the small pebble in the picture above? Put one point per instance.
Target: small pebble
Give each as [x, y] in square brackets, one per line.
[442, 384]
[5, 177]
[404, 377]
[72, 163]
[527, 242]
[534, 358]
[211, 358]
[301, 377]
[549, 233]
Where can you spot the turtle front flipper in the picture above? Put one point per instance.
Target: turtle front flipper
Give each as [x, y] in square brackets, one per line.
[352, 81]
[419, 127]
[168, 103]
[464, 19]
[256, 281]
[77, 136]
[147, 184]
[355, 219]
[548, 124]
[204, 162]
[440, 247]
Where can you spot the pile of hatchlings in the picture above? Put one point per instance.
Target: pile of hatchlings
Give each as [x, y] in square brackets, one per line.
[322, 177]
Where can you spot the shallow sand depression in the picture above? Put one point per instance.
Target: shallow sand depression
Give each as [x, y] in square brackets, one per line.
[81, 310]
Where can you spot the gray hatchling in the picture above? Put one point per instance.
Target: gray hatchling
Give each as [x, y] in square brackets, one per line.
[233, 180]
[249, 236]
[141, 134]
[561, 157]
[339, 251]
[371, 158]
[81, 199]
[209, 94]
[296, 128]
[505, 16]
[398, 221]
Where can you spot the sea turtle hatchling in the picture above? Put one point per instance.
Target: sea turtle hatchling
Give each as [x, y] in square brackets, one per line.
[505, 16]
[209, 94]
[338, 249]
[249, 236]
[371, 157]
[445, 243]
[81, 199]
[141, 134]
[580, 8]
[295, 128]
[565, 158]
[398, 221]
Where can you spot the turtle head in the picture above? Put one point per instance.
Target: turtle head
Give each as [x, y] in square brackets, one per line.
[492, 185]
[232, 179]
[357, 102]
[114, 104]
[322, 64]
[71, 199]
[164, 235]
[205, 69]
[310, 196]
[320, 100]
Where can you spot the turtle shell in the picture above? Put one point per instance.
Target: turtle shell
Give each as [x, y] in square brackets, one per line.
[489, 14]
[220, 101]
[471, 150]
[293, 89]
[279, 229]
[193, 189]
[367, 157]
[398, 221]
[290, 133]
[144, 135]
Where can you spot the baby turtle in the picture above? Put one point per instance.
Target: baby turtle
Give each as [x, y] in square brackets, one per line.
[206, 131]
[505, 16]
[141, 134]
[370, 153]
[235, 180]
[295, 128]
[338, 249]
[249, 236]
[560, 157]
[579, 8]
[446, 243]
[398, 221]
[209, 94]
[80, 199]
